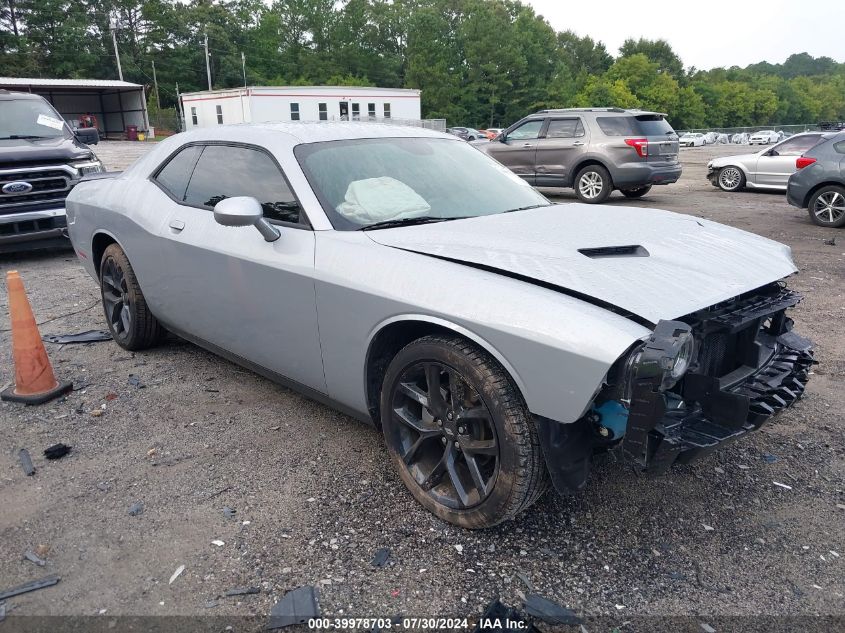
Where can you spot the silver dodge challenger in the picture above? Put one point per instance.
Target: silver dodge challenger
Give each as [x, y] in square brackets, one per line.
[498, 340]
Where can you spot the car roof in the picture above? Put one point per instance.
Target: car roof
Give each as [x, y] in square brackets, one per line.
[307, 132]
[8, 95]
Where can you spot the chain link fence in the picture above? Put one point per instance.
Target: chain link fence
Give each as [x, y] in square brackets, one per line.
[786, 129]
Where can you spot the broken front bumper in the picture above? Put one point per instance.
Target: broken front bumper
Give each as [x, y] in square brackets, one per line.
[750, 366]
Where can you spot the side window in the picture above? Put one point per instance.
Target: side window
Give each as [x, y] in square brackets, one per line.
[796, 146]
[386, 110]
[616, 125]
[324, 112]
[526, 131]
[294, 112]
[565, 128]
[371, 110]
[356, 111]
[174, 176]
[194, 115]
[224, 171]
[220, 115]
[839, 147]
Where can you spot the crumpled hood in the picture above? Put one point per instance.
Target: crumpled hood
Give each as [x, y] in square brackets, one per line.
[691, 264]
[58, 149]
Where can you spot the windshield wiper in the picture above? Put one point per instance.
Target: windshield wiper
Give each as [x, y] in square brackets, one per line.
[425, 219]
[530, 206]
[22, 137]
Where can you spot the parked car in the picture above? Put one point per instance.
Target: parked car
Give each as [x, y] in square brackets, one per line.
[466, 133]
[710, 138]
[593, 150]
[41, 160]
[691, 139]
[818, 185]
[763, 137]
[498, 340]
[767, 169]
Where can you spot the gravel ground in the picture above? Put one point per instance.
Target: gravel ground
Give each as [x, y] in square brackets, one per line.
[314, 494]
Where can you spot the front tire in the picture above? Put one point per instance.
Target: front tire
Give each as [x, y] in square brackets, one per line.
[130, 321]
[827, 206]
[593, 184]
[639, 192]
[460, 434]
[731, 178]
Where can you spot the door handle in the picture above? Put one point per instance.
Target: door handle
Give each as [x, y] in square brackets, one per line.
[177, 225]
[577, 144]
[527, 145]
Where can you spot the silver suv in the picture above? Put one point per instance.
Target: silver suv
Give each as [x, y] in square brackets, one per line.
[593, 150]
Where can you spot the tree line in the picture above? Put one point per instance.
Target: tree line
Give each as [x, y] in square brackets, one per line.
[481, 63]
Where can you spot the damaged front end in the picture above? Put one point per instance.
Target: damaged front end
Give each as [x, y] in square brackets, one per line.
[713, 376]
[697, 382]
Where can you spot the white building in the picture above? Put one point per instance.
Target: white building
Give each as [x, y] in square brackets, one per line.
[299, 103]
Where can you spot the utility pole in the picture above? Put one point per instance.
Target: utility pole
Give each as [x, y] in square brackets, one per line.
[155, 83]
[243, 66]
[207, 58]
[114, 27]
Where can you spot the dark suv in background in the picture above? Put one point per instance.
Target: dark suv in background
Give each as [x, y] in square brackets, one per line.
[41, 160]
[592, 150]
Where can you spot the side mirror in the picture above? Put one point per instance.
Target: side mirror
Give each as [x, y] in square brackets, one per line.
[87, 135]
[244, 211]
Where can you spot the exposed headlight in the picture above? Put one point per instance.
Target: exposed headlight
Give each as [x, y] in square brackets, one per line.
[664, 357]
[88, 166]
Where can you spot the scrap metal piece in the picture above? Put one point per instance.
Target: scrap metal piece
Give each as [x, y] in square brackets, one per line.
[242, 591]
[32, 557]
[91, 336]
[26, 462]
[381, 557]
[296, 607]
[49, 581]
[549, 611]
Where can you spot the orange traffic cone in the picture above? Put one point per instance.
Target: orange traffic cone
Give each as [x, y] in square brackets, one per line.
[35, 381]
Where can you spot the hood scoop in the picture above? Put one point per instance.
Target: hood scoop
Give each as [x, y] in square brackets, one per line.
[614, 251]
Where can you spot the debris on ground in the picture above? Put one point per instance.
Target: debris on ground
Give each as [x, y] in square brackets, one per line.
[176, 574]
[777, 483]
[89, 336]
[135, 509]
[831, 241]
[548, 611]
[218, 542]
[42, 549]
[526, 580]
[136, 382]
[499, 618]
[2, 611]
[34, 558]
[769, 459]
[706, 627]
[296, 607]
[229, 512]
[381, 557]
[26, 462]
[34, 585]
[241, 591]
[56, 451]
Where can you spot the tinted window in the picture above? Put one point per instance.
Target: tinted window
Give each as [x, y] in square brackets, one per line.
[797, 145]
[565, 128]
[225, 172]
[839, 147]
[643, 125]
[528, 130]
[176, 173]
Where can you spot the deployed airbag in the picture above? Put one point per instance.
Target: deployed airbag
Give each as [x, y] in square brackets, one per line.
[379, 199]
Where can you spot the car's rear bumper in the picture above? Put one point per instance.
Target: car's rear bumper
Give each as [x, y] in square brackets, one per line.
[32, 230]
[796, 196]
[639, 175]
[663, 429]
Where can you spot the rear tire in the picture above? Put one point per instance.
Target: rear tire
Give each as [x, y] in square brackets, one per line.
[827, 207]
[593, 184]
[460, 434]
[639, 192]
[731, 178]
[130, 321]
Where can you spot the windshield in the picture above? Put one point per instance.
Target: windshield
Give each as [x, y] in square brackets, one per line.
[29, 118]
[363, 182]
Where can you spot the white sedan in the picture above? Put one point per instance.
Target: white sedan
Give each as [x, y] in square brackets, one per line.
[692, 139]
[764, 137]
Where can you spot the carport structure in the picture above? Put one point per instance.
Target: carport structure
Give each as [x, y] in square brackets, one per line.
[116, 104]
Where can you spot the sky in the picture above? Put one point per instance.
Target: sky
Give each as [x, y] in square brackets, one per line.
[709, 34]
